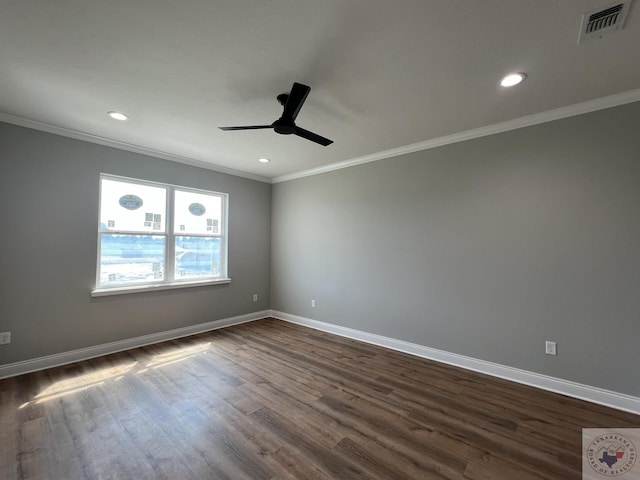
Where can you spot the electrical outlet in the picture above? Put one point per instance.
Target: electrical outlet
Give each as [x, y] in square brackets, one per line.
[550, 348]
[313, 304]
[5, 337]
[255, 297]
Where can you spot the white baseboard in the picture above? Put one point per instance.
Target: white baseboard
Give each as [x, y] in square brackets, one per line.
[600, 396]
[28, 366]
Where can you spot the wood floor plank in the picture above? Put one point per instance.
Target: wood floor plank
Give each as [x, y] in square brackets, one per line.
[294, 466]
[8, 428]
[373, 423]
[270, 400]
[333, 466]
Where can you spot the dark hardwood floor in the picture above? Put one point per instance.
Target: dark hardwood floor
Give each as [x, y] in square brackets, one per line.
[271, 400]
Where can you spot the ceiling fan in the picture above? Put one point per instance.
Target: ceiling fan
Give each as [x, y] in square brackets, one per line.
[285, 125]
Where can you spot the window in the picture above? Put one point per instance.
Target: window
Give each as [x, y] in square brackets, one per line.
[153, 235]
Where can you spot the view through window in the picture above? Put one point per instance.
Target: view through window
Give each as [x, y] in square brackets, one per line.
[151, 233]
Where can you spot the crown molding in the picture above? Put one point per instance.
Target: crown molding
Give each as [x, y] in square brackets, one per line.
[129, 147]
[526, 121]
[522, 122]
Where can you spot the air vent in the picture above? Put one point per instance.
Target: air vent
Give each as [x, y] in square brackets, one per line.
[603, 21]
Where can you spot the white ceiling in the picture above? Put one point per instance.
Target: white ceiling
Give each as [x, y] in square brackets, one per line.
[382, 74]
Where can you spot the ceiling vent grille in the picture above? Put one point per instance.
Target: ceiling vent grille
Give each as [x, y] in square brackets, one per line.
[603, 21]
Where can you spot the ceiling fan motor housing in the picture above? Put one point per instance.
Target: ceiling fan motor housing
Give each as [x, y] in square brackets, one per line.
[284, 127]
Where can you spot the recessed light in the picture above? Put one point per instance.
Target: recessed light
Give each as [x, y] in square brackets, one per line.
[264, 160]
[118, 116]
[513, 79]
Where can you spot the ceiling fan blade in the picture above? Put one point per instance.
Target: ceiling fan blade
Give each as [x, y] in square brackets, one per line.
[248, 127]
[314, 137]
[294, 103]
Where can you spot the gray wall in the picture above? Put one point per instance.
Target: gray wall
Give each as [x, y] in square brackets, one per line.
[48, 217]
[484, 248]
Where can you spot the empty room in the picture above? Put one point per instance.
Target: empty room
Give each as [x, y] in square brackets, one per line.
[319, 240]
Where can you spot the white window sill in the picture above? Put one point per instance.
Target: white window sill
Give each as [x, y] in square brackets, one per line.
[103, 292]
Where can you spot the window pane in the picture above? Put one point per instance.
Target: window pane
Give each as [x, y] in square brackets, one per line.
[197, 213]
[130, 207]
[128, 259]
[197, 257]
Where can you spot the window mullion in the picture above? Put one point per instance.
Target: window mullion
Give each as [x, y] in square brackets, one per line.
[224, 231]
[171, 244]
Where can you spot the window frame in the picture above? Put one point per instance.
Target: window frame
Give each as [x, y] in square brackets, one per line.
[170, 280]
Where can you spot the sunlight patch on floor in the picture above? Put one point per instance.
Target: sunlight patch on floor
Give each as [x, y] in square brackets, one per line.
[176, 356]
[100, 377]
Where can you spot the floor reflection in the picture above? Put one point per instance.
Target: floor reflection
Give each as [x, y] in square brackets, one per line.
[112, 374]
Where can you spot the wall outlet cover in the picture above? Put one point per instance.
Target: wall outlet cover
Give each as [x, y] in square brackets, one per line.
[550, 348]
